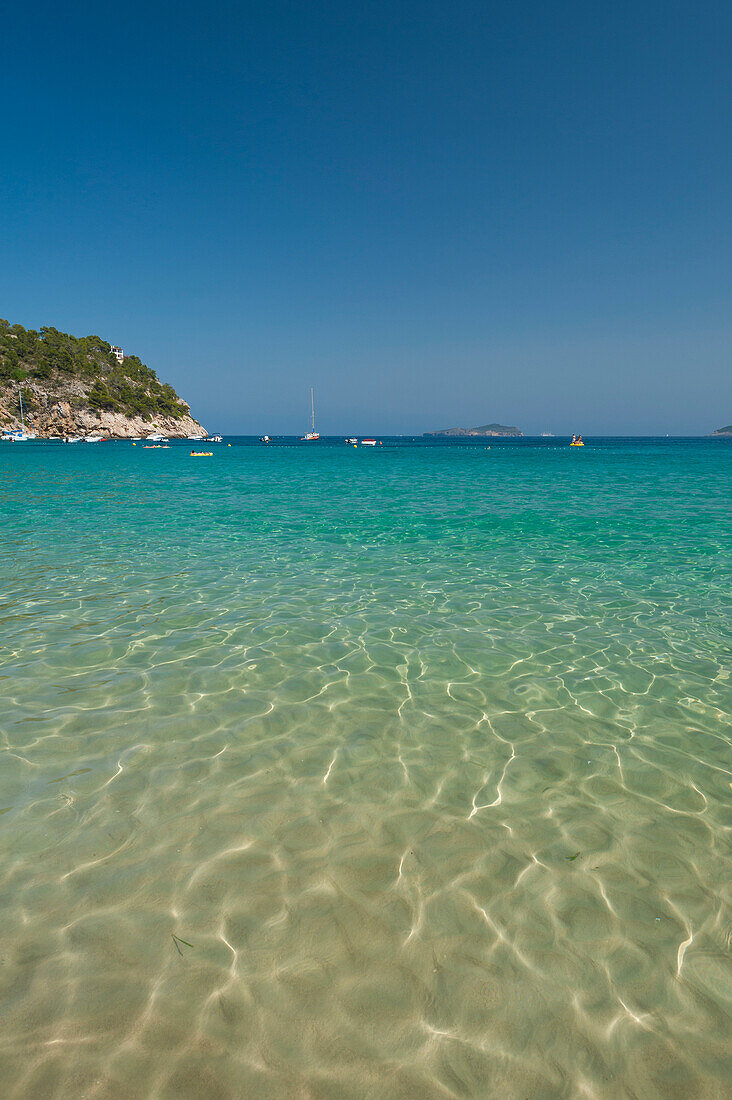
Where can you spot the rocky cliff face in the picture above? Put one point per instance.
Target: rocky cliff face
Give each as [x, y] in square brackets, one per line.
[66, 413]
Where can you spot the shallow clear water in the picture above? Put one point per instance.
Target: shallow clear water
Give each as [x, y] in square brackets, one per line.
[422, 752]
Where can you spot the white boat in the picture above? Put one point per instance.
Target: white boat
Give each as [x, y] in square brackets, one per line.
[312, 436]
[352, 440]
[74, 439]
[214, 439]
[368, 442]
[547, 435]
[156, 437]
[264, 439]
[93, 438]
[196, 438]
[18, 435]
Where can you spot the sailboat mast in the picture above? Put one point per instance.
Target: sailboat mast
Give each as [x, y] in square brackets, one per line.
[20, 398]
[312, 409]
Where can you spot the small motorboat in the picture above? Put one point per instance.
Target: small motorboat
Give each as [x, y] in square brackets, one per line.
[264, 439]
[368, 442]
[214, 439]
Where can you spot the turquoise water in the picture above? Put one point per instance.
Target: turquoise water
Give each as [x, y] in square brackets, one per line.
[421, 752]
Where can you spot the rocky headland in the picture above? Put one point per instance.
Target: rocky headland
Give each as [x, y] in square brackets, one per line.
[81, 385]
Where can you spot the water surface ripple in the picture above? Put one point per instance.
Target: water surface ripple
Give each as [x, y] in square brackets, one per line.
[330, 772]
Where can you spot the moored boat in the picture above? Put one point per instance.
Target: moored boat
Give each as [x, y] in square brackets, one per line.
[21, 434]
[312, 436]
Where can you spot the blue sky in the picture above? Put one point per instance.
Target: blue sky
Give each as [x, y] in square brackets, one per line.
[436, 214]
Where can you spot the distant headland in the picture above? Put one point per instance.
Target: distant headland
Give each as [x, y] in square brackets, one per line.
[723, 431]
[73, 385]
[485, 430]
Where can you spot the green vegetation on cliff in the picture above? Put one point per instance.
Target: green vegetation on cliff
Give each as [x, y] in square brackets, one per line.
[86, 365]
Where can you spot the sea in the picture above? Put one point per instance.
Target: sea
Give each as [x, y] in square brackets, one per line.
[391, 772]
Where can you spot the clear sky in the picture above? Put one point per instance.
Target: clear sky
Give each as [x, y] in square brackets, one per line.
[437, 214]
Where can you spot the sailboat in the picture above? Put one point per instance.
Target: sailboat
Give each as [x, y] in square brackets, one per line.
[312, 435]
[19, 435]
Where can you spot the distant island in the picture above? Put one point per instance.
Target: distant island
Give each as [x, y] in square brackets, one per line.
[74, 385]
[723, 431]
[485, 430]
